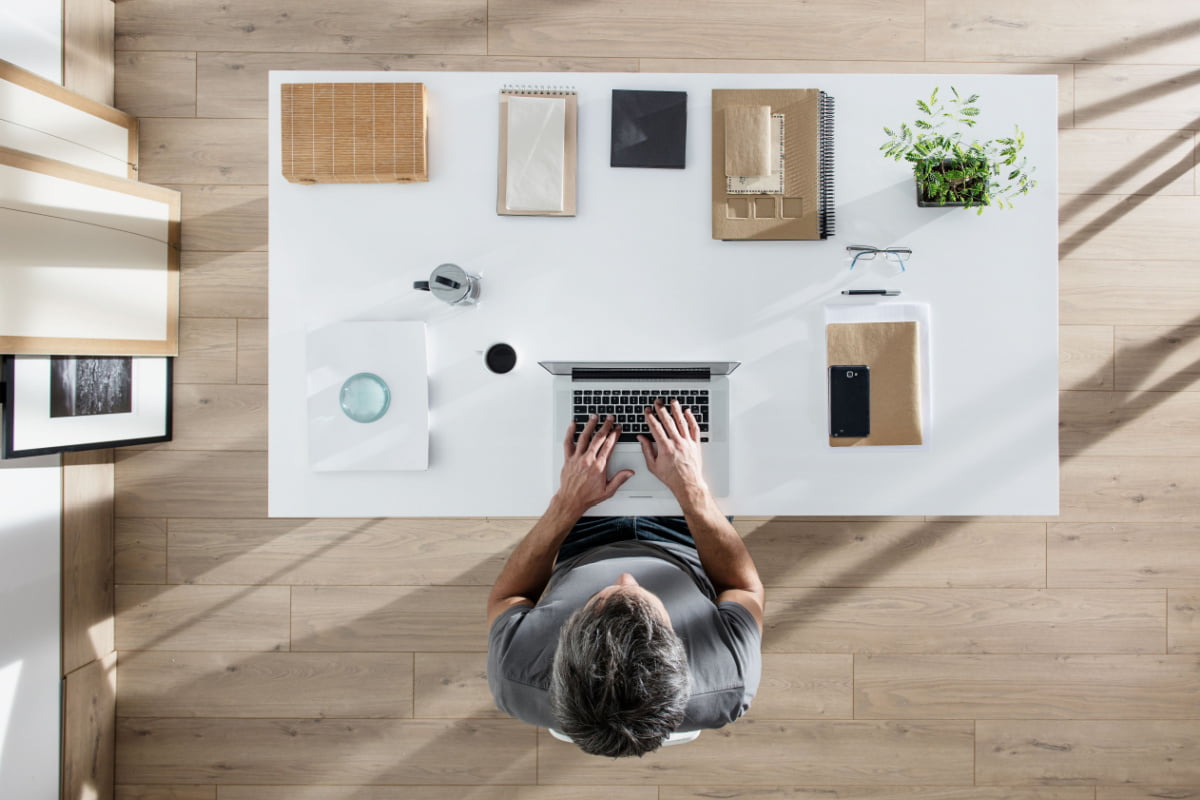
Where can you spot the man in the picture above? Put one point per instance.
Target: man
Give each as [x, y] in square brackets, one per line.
[644, 626]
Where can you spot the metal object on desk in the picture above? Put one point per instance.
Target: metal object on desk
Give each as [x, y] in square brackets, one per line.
[452, 284]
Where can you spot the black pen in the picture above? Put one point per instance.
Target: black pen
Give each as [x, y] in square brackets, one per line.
[884, 292]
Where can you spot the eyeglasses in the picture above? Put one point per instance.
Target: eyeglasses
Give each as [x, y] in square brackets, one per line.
[865, 252]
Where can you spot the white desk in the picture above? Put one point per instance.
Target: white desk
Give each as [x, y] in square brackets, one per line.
[636, 276]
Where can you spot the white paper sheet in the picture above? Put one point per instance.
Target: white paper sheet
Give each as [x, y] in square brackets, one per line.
[536, 144]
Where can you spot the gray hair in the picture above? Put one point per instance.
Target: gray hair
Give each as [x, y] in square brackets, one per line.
[620, 682]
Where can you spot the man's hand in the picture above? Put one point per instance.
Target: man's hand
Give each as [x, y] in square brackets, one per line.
[584, 481]
[674, 456]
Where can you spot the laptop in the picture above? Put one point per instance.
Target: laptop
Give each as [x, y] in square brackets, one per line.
[623, 389]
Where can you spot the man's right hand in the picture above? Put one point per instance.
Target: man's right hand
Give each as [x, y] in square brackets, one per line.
[674, 455]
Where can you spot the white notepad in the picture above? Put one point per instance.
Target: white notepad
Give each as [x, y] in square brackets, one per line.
[536, 153]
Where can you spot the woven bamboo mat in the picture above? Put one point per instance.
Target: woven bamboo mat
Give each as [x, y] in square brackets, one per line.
[354, 132]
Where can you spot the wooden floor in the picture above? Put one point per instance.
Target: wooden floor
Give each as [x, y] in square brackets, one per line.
[1054, 659]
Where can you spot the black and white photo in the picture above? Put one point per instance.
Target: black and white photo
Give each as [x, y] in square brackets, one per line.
[58, 404]
[82, 387]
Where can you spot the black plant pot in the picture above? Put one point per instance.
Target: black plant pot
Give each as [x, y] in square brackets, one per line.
[924, 201]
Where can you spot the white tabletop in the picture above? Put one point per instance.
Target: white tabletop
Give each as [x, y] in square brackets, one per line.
[637, 276]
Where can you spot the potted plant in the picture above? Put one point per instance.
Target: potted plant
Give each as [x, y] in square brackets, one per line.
[951, 170]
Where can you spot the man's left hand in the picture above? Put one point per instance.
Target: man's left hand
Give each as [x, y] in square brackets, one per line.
[584, 481]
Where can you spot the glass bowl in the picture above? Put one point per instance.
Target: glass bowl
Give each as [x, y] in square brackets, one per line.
[365, 397]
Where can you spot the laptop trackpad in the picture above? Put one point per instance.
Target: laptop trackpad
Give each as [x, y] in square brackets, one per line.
[642, 482]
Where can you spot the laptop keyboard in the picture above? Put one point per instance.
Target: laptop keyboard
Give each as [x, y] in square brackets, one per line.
[626, 406]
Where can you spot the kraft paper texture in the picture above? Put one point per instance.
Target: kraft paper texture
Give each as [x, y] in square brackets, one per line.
[793, 215]
[747, 141]
[891, 351]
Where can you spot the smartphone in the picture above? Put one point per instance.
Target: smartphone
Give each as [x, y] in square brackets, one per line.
[849, 400]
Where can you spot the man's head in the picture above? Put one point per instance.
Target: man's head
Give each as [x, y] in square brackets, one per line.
[620, 682]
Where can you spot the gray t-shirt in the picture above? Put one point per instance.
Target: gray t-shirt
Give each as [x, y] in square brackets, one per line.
[723, 642]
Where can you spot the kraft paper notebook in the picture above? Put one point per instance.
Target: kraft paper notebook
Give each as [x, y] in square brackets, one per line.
[772, 164]
[354, 132]
[891, 350]
[538, 144]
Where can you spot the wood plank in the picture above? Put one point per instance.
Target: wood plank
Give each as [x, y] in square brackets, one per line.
[1129, 423]
[163, 483]
[452, 685]
[1137, 292]
[207, 351]
[834, 752]
[426, 26]
[492, 792]
[203, 151]
[1154, 31]
[252, 351]
[389, 618]
[88, 729]
[1130, 489]
[235, 84]
[277, 685]
[347, 552]
[804, 687]
[964, 621]
[218, 417]
[1088, 752]
[156, 84]
[1158, 357]
[1065, 72]
[140, 551]
[165, 792]
[823, 29]
[223, 285]
[1150, 96]
[1148, 793]
[87, 45]
[793, 552]
[87, 557]
[231, 618]
[1183, 621]
[1026, 687]
[1085, 357]
[1095, 161]
[226, 218]
[1127, 227]
[363, 751]
[876, 793]
[1120, 556]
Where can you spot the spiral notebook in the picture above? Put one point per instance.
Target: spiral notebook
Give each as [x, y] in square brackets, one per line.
[538, 152]
[772, 164]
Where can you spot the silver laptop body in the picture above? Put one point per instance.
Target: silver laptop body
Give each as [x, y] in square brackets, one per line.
[640, 383]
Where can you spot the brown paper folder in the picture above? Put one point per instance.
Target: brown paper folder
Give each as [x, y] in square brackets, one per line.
[804, 210]
[354, 132]
[891, 352]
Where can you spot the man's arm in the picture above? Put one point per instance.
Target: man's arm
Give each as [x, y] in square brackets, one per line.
[584, 483]
[675, 459]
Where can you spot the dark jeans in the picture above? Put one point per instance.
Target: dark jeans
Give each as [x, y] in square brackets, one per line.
[592, 532]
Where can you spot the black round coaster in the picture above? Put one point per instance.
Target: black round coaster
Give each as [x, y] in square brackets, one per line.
[500, 358]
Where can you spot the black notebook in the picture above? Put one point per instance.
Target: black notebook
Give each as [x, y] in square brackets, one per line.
[649, 129]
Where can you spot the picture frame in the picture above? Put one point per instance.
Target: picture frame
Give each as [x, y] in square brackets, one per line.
[90, 262]
[60, 404]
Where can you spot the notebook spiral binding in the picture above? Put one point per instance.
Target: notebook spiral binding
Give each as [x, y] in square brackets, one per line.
[536, 90]
[827, 220]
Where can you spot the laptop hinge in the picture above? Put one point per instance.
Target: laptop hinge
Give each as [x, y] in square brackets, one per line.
[641, 374]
